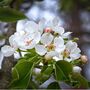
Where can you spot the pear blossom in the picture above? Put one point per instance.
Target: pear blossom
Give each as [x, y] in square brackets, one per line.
[50, 46]
[72, 52]
[25, 37]
[28, 36]
[7, 50]
[53, 26]
[27, 41]
[27, 26]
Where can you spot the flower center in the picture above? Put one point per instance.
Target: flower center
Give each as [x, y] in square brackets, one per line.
[28, 42]
[66, 53]
[48, 30]
[51, 47]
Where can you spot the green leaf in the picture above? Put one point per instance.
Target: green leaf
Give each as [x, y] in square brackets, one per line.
[53, 85]
[45, 74]
[62, 70]
[48, 70]
[10, 15]
[81, 81]
[21, 74]
[5, 2]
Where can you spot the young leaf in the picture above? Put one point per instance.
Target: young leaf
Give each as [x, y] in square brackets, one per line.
[53, 85]
[62, 70]
[10, 15]
[21, 74]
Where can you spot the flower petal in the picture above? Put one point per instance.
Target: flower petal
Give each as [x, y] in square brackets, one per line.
[75, 56]
[71, 46]
[12, 41]
[59, 44]
[20, 25]
[37, 37]
[40, 49]
[58, 41]
[59, 30]
[55, 21]
[68, 59]
[66, 35]
[60, 49]
[7, 50]
[42, 25]
[75, 51]
[46, 38]
[51, 53]
[31, 27]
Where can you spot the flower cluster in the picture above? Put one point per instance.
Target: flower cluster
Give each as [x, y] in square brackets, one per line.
[48, 38]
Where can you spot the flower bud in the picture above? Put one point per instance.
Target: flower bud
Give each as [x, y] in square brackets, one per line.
[84, 58]
[47, 57]
[48, 30]
[76, 69]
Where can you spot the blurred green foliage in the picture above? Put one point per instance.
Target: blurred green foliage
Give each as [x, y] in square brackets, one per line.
[70, 5]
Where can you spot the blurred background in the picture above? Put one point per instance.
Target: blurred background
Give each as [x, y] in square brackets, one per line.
[74, 16]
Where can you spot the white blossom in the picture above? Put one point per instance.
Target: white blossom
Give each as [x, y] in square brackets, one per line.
[72, 51]
[53, 26]
[7, 50]
[50, 46]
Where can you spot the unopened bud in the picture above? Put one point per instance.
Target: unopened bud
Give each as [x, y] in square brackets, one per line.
[75, 39]
[77, 69]
[84, 58]
[47, 57]
[48, 30]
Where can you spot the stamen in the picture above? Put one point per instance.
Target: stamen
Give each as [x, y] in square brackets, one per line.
[28, 42]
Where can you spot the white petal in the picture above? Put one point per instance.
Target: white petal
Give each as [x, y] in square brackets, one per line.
[7, 50]
[75, 51]
[60, 49]
[12, 41]
[42, 25]
[77, 69]
[46, 38]
[58, 41]
[1, 59]
[75, 56]
[66, 35]
[37, 37]
[68, 59]
[56, 21]
[51, 53]
[40, 49]
[31, 27]
[59, 30]
[71, 46]
[20, 25]
[60, 57]
[56, 58]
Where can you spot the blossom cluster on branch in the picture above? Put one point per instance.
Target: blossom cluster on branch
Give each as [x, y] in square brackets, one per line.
[48, 39]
